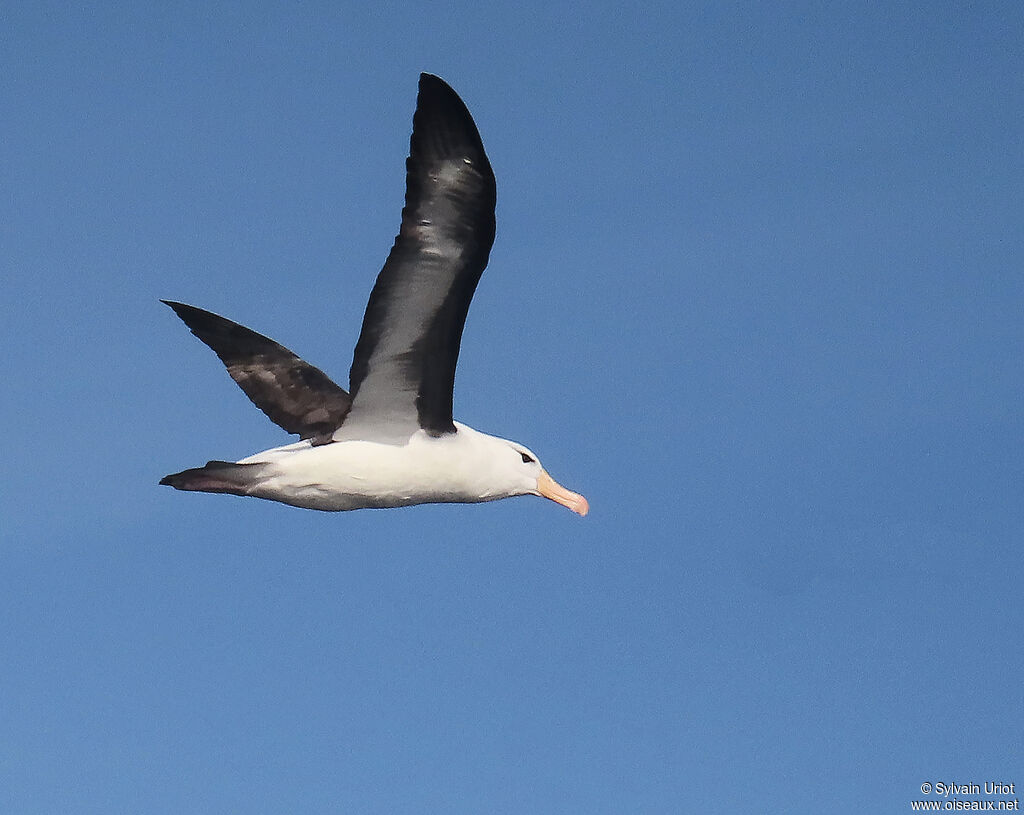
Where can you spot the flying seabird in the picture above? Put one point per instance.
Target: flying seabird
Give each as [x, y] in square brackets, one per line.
[389, 441]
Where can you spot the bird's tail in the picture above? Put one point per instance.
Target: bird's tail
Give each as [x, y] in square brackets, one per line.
[218, 476]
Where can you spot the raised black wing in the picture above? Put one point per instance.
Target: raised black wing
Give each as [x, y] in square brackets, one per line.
[294, 395]
[403, 368]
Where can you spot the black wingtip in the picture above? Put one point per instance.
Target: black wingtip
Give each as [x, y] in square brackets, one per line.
[434, 91]
[186, 313]
[181, 309]
[433, 79]
[205, 323]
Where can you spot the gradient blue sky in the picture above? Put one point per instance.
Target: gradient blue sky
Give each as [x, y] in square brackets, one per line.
[757, 292]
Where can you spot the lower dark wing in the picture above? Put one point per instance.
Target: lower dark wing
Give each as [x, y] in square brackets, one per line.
[294, 395]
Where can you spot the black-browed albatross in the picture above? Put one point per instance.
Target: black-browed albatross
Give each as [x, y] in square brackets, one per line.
[391, 440]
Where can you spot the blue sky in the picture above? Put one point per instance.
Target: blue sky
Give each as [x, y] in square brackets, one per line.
[757, 293]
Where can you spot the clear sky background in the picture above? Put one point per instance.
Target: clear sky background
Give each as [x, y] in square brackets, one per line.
[757, 293]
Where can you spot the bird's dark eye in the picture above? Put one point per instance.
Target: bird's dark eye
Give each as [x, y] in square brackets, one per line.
[526, 458]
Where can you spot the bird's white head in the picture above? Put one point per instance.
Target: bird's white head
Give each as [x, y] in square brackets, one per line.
[534, 479]
[497, 468]
[519, 471]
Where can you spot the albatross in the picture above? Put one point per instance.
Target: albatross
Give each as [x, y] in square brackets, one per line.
[390, 440]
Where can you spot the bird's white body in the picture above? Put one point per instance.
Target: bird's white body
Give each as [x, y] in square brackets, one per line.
[462, 467]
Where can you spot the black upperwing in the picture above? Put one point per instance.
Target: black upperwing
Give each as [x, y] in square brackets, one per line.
[294, 395]
[403, 368]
